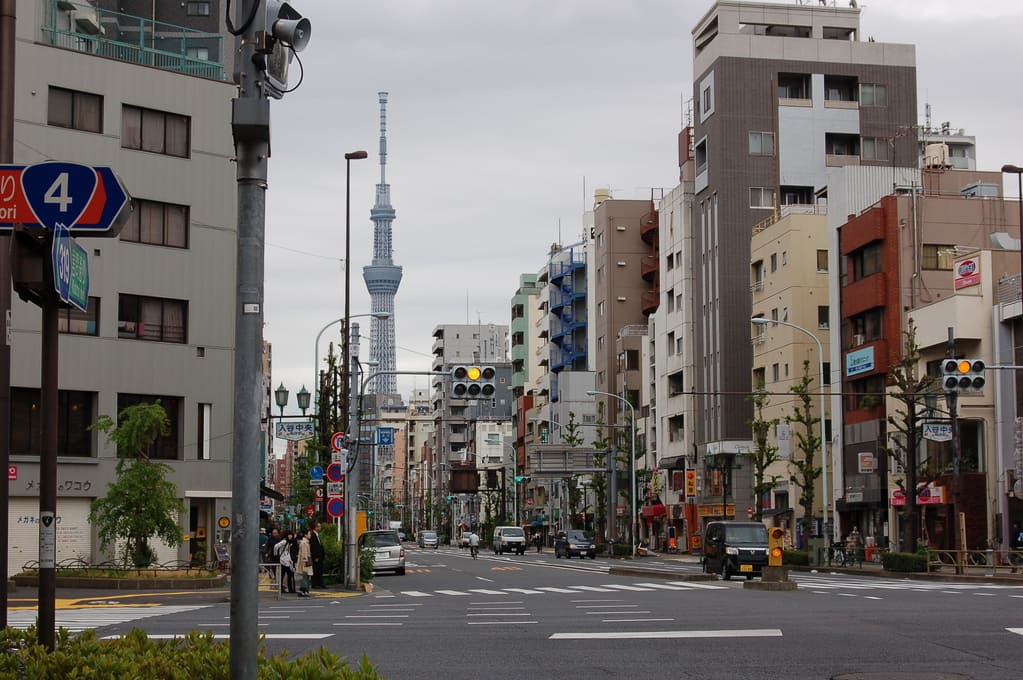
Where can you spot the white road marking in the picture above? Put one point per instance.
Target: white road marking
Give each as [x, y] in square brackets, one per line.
[268, 636]
[524, 591]
[416, 593]
[552, 589]
[593, 589]
[499, 623]
[631, 620]
[451, 592]
[695, 584]
[484, 591]
[368, 623]
[1017, 631]
[662, 586]
[616, 586]
[638, 611]
[604, 606]
[499, 614]
[376, 616]
[668, 634]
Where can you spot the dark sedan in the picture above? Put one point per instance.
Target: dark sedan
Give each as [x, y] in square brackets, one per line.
[574, 542]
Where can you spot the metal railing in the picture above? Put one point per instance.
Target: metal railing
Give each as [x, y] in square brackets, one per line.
[973, 561]
[137, 40]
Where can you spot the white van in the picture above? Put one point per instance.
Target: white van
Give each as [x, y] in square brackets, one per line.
[510, 539]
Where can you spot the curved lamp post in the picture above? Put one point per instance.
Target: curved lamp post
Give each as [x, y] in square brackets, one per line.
[316, 349]
[632, 462]
[761, 321]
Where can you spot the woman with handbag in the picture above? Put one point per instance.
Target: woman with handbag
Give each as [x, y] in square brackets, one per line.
[304, 565]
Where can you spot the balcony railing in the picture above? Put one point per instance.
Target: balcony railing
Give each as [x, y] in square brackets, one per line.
[134, 39]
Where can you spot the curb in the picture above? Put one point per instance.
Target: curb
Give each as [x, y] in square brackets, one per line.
[88, 583]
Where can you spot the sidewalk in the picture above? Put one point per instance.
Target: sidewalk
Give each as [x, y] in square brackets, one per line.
[997, 574]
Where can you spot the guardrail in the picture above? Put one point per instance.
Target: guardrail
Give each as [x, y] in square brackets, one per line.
[964, 561]
[82, 566]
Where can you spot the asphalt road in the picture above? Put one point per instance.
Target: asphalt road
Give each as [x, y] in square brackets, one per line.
[535, 616]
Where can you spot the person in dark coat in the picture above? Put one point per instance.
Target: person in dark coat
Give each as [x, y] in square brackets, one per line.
[318, 553]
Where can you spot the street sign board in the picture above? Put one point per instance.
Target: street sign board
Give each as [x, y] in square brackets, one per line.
[339, 456]
[316, 482]
[12, 473]
[385, 436]
[335, 472]
[310, 510]
[336, 507]
[70, 269]
[80, 197]
[316, 472]
[335, 489]
[337, 441]
[318, 494]
[295, 431]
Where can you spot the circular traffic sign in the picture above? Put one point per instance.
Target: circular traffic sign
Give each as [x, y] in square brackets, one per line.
[316, 472]
[335, 472]
[337, 441]
[335, 507]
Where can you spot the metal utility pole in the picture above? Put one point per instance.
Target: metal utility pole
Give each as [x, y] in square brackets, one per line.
[352, 477]
[268, 32]
[7, 42]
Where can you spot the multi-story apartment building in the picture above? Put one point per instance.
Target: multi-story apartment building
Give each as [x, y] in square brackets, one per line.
[789, 284]
[783, 95]
[898, 255]
[157, 324]
[525, 340]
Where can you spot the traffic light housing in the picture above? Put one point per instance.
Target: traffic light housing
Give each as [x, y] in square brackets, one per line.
[522, 479]
[473, 382]
[962, 375]
[775, 551]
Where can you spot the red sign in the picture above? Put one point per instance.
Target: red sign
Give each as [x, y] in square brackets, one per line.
[335, 473]
[318, 493]
[337, 441]
[12, 473]
[336, 507]
[310, 510]
[967, 273]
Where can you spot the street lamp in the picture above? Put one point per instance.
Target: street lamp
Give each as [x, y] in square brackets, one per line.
[281, 396]
[345, 368]
[632, 462]
[761, 321]
[1008, 168]
[316, 348]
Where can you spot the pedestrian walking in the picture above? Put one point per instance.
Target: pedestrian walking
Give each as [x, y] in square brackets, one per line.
[318, 554]
[1016, 545]
[304, 565]
[283, 553]
[268, 554]
[854, 547]
[538, 539]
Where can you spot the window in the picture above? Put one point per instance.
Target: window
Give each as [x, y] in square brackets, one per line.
[759, 378]
[774, 373]
[822, 260]
[793, 86]
[676, 383]
[76, 322]
[199, 53]
[75, 110]
[155, 131]
[164, 448]
[873, 95]
[774, 262]
[774, 314]
[938, 257]
[670, 260]
[761, 197]
[761, 143]
[150, 318]
[205, 438]
[628, 360]
[600, 308]
[700, 156]
[839, 88]
[866, 261]
[156, 223]
[784, 257]
[869, 324]
[198, 9]
[706, 100]
[874, 148]
[823, 316]
[678, 348]
[866, 393]
[671, 343]
[74, 417]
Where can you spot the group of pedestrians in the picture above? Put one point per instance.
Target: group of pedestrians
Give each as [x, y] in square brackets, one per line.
[299, 555]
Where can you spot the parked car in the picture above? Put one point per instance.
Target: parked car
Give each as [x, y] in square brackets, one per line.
[428, 539]
[390, 556]
[463, 539]
[574, 542]
[509, 539]
[735, 548]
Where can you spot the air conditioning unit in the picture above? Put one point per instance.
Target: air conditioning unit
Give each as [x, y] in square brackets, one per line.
[86, 20]
[858, 340]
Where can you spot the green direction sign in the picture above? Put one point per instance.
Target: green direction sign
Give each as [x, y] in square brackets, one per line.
[70, 269]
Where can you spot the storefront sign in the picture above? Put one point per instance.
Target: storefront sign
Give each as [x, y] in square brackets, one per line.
[866, 462]
[938, 432]
[860, 361]
[967, 273]
[690, 484]
[926, 495]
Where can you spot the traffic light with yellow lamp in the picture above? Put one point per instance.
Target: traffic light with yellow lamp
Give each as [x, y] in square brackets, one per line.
[962, 375]
[775, 550]
[473, 382]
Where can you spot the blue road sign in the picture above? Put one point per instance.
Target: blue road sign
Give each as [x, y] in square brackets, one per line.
[316, 472]
[335, 507]
[79, 197]
[335, 472]
[385, 436]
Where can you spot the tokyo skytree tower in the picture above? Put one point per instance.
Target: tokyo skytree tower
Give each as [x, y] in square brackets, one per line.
[383, 276]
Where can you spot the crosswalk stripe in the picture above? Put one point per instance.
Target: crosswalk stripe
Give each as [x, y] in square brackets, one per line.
[78, 620]
[695, 584]
[485, 591]
[524, 591]
[450, 592]
[416, 593]
[616, 586]
[663, 586]
[552, 589]
[593, 589]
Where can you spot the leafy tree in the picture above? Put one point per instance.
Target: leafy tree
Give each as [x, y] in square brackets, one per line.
[571, 435]
[601, 445]
[765, 454]
[141, 503]
[911, 388]
[805, 466]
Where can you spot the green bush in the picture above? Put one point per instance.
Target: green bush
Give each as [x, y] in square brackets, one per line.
[197, 655]
[332, 572]
[620, 549]
[895, 561]
[799, 558]
[367, 558]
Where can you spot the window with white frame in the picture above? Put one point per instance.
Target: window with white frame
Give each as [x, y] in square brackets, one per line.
[761, 197]
[761, 143]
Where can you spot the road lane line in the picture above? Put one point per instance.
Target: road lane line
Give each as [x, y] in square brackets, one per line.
[416, 593]
[625, 587]
[662, 586]
[524, 591]
[605, 606]
[484, 591]
[552, 589]
[593, 589]
[370, 623]
[693, 584]
[498, 602]
[499, 614]
[450, 592]
[1017, 631]
[668, 634]
[637, 611]
[632, 620]
[499, 623]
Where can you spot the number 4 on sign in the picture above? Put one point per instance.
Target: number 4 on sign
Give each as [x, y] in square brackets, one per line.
[58, 193]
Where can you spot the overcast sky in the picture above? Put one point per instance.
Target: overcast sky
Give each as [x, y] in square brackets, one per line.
[500, 114]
